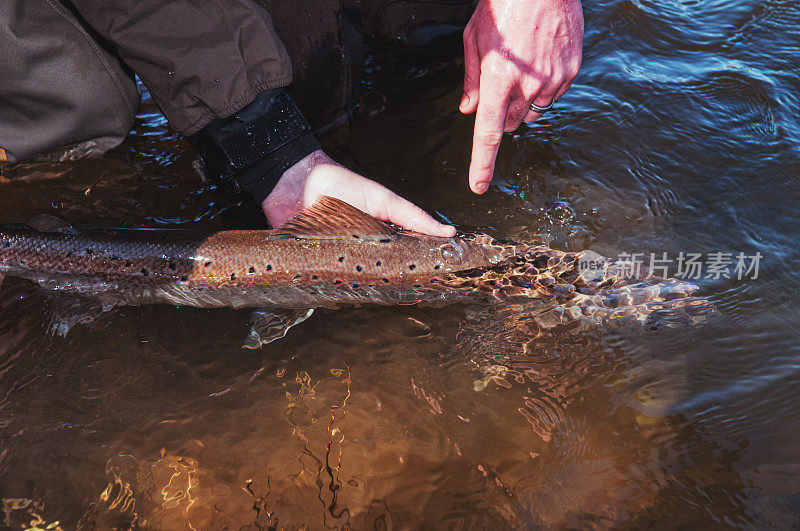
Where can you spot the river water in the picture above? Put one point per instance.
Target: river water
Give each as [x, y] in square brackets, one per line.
[680, 135]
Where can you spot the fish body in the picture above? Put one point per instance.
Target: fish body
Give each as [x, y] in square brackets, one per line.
[329, 254]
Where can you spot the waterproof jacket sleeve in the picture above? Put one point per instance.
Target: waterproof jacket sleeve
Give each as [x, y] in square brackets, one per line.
[200, 59]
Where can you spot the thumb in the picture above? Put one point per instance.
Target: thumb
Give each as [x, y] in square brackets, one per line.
[409, 216]
[472, 75]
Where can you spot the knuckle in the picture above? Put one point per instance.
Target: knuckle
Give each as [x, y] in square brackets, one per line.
[488, 138]
[530, 96]
[532, 90]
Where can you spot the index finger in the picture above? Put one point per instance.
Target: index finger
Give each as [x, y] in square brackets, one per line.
[403, 212]
[489, 122]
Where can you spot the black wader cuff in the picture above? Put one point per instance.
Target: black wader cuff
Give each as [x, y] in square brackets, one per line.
[250, 150]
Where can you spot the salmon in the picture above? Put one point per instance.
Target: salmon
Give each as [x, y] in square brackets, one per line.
[327, 255]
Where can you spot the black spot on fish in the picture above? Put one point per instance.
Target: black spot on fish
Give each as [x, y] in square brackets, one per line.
[314, 277]
[385, 280]
[356, 285]
[378, 263]
[69, 254]
[233, 276]
[412, 267]
[89, 251]
[359, 268]
[128, 263]
[355, 236]
[417, 285]
[184, 279]
[252, 270]
[6, 244]
[437, 267]
[297, 276]
[269, 267]
[337, 282]
[385, 240]
[145, 272]
[207, 264]
[173, 266]
[341, 258]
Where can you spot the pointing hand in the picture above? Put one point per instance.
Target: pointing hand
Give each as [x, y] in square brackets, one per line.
[516, 52]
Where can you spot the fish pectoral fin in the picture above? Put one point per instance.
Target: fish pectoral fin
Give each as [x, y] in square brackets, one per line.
[46, 223]
[269, 325]
[70, 309]
[331, 218]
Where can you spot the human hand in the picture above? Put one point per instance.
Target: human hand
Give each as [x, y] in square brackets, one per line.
[317, 174]
[515, 52]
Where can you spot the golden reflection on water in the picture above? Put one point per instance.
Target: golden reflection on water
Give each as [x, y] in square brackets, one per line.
[450, 417]
[24, 513]
[142, 493]
[171, 493]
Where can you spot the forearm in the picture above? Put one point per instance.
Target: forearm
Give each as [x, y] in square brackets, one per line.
[215, 68]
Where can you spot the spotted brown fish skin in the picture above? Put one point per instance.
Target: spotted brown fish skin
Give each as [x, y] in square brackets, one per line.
[245, 268]
[329, 254]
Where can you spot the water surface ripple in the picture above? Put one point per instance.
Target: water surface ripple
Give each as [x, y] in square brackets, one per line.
[681, 134]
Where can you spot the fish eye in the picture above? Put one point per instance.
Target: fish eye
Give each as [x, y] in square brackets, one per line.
[451, 253]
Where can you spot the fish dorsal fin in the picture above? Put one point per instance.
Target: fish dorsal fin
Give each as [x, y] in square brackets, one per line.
[46, 223]
[331, 218]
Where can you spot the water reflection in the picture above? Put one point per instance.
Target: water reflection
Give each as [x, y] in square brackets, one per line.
[681, 134]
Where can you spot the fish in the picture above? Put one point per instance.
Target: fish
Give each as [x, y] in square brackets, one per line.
[328, 255]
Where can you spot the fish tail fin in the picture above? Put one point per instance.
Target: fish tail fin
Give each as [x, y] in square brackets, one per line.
[270, 325]
[654, 304]
[69, 309]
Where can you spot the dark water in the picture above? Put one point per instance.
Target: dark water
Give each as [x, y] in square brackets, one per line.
[681, 134]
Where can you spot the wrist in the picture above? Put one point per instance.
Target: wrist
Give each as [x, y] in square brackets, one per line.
[250, 150]
[290, 191]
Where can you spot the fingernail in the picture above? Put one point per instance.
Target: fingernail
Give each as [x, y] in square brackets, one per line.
[464, 101]
[481, 187]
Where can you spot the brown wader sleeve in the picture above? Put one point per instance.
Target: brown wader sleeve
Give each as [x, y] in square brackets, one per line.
[200, 59]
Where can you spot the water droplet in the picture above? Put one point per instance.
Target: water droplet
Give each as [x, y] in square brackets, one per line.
[451, 253]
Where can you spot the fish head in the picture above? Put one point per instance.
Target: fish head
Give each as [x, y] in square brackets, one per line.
[470, 251]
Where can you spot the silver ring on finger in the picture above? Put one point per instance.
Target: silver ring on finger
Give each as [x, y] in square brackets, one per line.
[542, 110]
